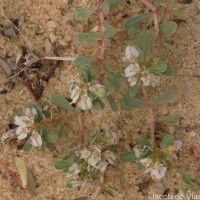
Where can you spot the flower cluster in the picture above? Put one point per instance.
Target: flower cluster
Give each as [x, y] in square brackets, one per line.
[133, 71]
[156, 167]
[25, 127]
[90, 161]
[83, 98]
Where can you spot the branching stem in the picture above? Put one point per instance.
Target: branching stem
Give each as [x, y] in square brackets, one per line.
[151, 113]
[155, 18]
[99, 188]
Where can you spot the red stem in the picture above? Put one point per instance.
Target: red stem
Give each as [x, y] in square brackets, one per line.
[101, 44]
[14, 177]
[99, 188]
[155, 18]
[196, 154]
[151, 112]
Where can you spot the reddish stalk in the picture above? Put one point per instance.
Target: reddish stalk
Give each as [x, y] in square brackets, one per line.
[99, 188]
[155, 18]
[151, 113]
[81, 135]
[101, 45]
[196, 154]
[15, 178]
[31, 91]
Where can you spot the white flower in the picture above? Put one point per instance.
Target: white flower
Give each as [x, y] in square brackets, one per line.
[177, 145]
[75, 167]
[85, 154]
[75, 93]
[155, 80]
[132, 70]
[146, 78]
[85, 103]
[22, 132]
[110, 156]
[36, 139]
[158, 172]
[95, 158]
[30, 112]
[20, 121]
[131, 53]
[132, 80]
[99, 90]
[103, 166]
[146, 162]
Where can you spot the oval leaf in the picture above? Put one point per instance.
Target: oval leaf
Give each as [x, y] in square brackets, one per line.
[112, 103]
[168, 28]
[166, 96]
[109, 30]
[113, 3]
[83, 13]
[135, 21]
[88, 37]
[133, 33]
[134, 90]
[84, 61]
[160, 68]
[63, 164]
[166, 141]
[98, 104]
[61, 102]
[128, 157]
[132, 102]
[144, 43]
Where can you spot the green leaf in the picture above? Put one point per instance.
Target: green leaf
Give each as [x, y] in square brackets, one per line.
[88, 37]
[27, 147]
[171, 118]
[168, 28]
[165, 96]
[84, 13]
[159, 68]
[112, 103]
[144, 43]
[109, 30]
[61, 102]
[135, 21]
[63, 164]
[105, 7]
[82, 198]
[128, 157]
[143, 142]
[169, 71]
[114, 80]
[179, 13]
[166, 141]
[191, 182]
[132, 102]
[113, 3]
[60, 130]
[134, 90]
[84, 61]
[98, 104]
[49, 136]
[133, 33]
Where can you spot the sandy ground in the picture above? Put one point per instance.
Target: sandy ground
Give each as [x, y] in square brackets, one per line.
[44, 22]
